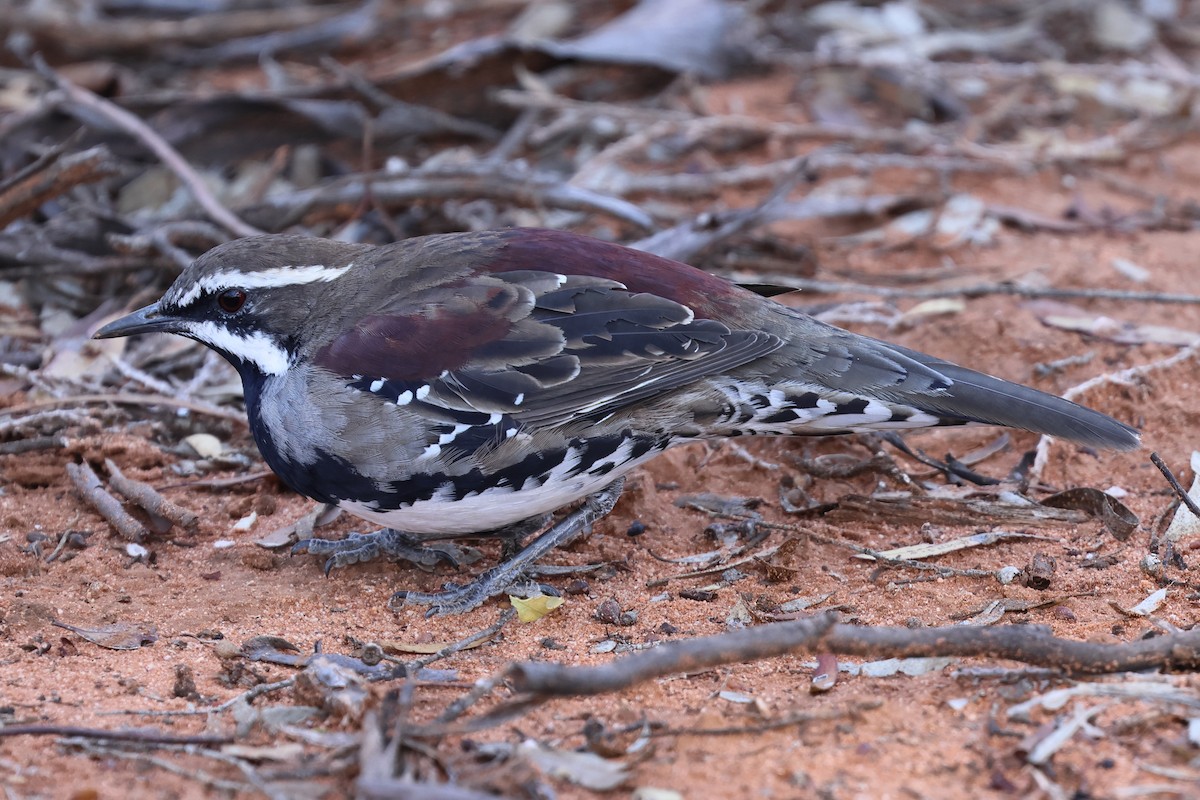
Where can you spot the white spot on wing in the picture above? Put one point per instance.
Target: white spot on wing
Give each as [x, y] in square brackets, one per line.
[377, 385]
[447, 438]
[423, 391]
[405, 398]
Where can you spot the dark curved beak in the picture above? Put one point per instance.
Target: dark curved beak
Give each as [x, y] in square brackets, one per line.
[144, 320]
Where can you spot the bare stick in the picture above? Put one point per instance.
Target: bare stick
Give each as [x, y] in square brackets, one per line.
[1184, 497]
[969, 291]
[51, 176]
[750, 644]
[478, 636]
[141, 737]
[94, 494]
[1027, 643]
[500, 182]
[134, 126]
[149, 499]
[130, 400]
[245, 697]
[202, 776]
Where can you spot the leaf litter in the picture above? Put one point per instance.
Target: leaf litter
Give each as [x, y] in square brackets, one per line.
[945, 186]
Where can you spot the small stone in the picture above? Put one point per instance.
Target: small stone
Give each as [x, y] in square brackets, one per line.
[1007, 575]
[608, 612]
[226, 649]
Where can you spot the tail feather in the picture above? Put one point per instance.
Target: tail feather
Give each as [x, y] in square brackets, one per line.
[976, 397]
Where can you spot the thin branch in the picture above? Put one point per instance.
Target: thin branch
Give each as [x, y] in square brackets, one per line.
[140, 737]
[87, 483]
[134, 126]
[1180, 492]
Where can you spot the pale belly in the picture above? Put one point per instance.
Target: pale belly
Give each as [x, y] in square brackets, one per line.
[493, 508]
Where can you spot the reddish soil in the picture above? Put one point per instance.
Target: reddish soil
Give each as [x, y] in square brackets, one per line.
[941, 734]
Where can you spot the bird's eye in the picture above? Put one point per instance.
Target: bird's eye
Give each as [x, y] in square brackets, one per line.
[231, 300]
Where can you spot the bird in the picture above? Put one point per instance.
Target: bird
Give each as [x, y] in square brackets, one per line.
[456, 384]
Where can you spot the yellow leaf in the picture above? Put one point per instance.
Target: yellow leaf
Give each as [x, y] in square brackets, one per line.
[534, 608]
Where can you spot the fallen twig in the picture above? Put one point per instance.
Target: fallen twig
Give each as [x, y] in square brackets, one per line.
[148, 498]
[134, 126]
[130, 400]
[87, 483]
[50, 176]
[969, 291]
[496, 181]
[1124, 377]
[1026, 643]
[141, 737]
[1180, 492]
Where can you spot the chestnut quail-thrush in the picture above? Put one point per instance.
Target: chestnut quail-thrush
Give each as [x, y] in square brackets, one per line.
[449, 385]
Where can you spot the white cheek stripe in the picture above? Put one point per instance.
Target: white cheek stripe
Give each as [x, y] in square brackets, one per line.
[256, 348]
[262, 279]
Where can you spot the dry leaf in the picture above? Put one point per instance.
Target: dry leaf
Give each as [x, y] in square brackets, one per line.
[532, 609]
[118, 636]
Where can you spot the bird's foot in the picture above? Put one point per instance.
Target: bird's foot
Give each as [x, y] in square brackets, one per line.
[394, 545]
[460, 598]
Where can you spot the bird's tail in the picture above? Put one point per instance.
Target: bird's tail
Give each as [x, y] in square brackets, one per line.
[975, 397]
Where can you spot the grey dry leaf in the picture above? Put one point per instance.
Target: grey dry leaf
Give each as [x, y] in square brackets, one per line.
[117, 636]
[582, 769]
[674, 35]
[1150, 604]
[302, 528]
[1066, 317]
[281, 752]
[926, 550]
[273, 649]
[912, 667]
[655, 793]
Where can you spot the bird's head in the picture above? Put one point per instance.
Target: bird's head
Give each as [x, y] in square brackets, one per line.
[256, 301]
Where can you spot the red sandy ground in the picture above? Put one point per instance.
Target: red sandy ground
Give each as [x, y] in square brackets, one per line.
[913, 744]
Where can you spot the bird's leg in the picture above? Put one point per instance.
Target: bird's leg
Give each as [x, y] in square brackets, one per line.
[394, 545]
[456, 599]
[512, 537]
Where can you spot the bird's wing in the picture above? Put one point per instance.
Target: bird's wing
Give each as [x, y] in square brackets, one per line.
[536, 347]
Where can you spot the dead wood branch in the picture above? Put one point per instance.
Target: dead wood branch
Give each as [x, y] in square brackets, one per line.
[1026, 643]
[87, 483]
[134, 126]
[969, 291]
[494, 181]
[148, 498]
[51, 176]
[140, 737]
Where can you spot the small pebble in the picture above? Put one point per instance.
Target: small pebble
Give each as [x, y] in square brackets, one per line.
[608, 612]
[1007, 575]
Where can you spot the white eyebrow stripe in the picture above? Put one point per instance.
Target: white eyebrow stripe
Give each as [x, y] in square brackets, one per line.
[262, 279]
